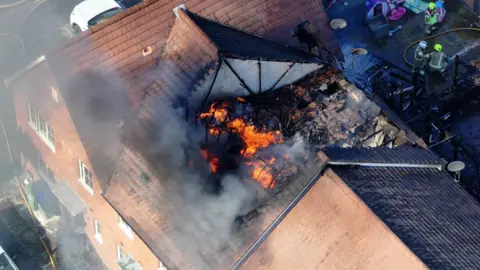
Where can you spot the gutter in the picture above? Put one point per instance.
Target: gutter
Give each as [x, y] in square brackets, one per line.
[388, 165]
[279, 219]
[8, 81]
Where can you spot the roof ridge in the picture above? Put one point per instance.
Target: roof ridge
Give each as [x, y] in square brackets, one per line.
[399, 157]
[252, 34]
[184, 16]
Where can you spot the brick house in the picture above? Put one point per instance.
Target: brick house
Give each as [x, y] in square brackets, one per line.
[63, 162]
[78, 144]
[93, 108]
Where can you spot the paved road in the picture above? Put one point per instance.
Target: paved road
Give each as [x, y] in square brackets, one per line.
[31, 29]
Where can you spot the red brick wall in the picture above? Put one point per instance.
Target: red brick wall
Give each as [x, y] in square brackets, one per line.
[34, 87]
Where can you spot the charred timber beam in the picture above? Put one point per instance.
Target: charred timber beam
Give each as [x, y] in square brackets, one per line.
[369, 137]
[418, 116]
[281, 77]
[241, 156]
[222, 127]
[276, 175]
[207, 125]
[226, 140]
[388, 141]
[259, 76]
[242, 82]
[211, 85]
[442, 141]
[263, 169]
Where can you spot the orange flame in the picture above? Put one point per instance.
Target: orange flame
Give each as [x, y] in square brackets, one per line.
[212, 160]
[262, 173]
[215, 131]
[219, 112]
[252, 137]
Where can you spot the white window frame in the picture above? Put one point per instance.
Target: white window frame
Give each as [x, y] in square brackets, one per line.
[98, 232]
[82, 176]
[47, 135]
[54, 93]
[120, 252]
[125, 228]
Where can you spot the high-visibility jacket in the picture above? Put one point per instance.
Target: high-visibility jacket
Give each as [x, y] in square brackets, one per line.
[431, 16]
[438, 61]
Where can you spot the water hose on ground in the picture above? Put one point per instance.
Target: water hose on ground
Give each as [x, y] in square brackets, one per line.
[52, 261]
[436, 35]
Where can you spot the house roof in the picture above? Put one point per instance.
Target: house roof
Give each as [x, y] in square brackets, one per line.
[116, 45]
[330, 228]
[150, 207]
[169, 215]
[236, 43]
[434, 216]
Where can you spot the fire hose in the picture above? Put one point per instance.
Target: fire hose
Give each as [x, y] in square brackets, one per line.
[436, 35]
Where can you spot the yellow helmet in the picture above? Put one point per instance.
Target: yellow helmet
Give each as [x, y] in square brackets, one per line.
[432, 5]
[438, 47]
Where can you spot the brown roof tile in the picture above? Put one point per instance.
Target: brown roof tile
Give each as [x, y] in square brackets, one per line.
[189, 54]
[331, 228]
[116, 42]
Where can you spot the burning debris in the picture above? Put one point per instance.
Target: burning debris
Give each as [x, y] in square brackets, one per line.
[221, 119]
[321, 110]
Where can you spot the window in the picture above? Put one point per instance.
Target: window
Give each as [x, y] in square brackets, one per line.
[125, 228]
[85, 176]
[98, 232]
[120, 253]
[41, 127]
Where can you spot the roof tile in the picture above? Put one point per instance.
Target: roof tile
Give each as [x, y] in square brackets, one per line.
[152, 20]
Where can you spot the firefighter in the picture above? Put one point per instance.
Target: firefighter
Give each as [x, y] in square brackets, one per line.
[420, 57]
[431, 18]
[438, 60]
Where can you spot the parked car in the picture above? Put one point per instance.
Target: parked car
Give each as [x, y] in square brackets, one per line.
[92, 12]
